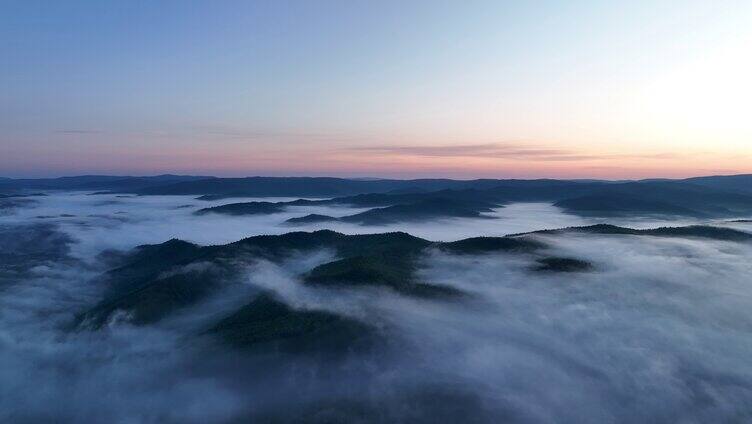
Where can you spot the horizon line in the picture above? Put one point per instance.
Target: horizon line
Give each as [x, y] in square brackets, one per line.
[374, 178]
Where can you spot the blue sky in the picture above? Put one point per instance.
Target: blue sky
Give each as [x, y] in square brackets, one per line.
[464, 89]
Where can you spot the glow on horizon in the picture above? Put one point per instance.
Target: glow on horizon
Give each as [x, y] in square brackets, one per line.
[489, 89]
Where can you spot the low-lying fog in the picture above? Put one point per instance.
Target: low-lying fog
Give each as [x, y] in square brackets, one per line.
[661, 331]
[106, 221]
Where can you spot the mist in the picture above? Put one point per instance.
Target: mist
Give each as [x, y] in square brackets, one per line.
[660, 330]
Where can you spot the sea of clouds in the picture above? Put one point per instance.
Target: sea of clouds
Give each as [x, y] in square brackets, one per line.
[660, 331]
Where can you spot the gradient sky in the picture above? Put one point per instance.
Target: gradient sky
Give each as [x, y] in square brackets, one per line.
[462, 89]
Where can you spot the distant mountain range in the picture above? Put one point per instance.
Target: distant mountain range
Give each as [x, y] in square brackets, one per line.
[312, 186]
[121, 184]
[674, 198]
[404, 200]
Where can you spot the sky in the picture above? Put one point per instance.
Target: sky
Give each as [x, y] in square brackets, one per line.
[462, 89]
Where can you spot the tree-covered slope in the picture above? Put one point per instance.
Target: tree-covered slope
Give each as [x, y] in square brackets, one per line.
[153, 282]
[266, 322]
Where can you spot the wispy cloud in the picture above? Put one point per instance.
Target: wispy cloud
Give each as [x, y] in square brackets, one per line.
[501, 151]
[492, 149]
[75, 131]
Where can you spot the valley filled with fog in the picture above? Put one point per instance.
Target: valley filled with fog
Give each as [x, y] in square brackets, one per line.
[125, 221]
[580, 326]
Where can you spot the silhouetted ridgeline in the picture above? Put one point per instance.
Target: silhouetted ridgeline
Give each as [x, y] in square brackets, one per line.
[247, 208]
[729, 196]
[587, 199]
[324, 186]
[217, 188]
[738, 183]
[700, 231]
[96, 182]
